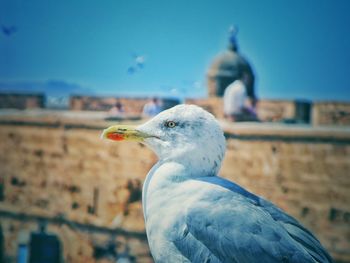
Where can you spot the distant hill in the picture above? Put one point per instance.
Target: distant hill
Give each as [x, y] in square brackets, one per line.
[57, 91]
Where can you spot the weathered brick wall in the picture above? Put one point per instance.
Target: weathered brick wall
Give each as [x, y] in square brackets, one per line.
[214, 105]
[267, 110]
[71, 173]
[77, 246]
[322, 113]
[71, 166]
[21, 101]
[61, 171]
[132, 106]
[275, 110]
[331, 113]
[311, 181]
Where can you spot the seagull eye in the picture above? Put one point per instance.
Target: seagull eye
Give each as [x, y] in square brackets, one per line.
[170, 124]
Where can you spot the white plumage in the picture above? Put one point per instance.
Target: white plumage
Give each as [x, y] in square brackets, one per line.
[192, 215]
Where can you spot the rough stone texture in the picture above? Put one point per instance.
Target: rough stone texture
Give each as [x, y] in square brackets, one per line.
[55, 172]
[267, 110]
[68, 172]
[132, 106]
[77, 246]
[309, 181]
[275, 110]
[21, 101]
[214, 105]
[71, 166]
[323, 113]
[331, 113]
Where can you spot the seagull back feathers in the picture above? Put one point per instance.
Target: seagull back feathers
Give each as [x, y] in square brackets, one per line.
[295, 230]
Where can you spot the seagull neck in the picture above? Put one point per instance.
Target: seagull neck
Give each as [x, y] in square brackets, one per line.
[168, 172]
[189, 167]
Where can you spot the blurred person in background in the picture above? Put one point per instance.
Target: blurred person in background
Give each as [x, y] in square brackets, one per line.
[117, 110]
[152, 108]
[237, 105]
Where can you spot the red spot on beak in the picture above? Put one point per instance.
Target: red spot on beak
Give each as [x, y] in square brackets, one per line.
[115, 136]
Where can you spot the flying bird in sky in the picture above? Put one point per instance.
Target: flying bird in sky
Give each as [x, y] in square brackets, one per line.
[8, 30]
[192, 214]
[138, 63]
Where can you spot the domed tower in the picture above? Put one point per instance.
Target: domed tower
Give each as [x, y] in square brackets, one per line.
[228, 67]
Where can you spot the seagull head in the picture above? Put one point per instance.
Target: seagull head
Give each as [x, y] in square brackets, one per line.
[186, 134]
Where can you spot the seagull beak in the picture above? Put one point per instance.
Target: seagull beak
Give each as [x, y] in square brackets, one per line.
[124, 133]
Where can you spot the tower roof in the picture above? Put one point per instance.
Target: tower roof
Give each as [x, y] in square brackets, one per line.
[228, 64]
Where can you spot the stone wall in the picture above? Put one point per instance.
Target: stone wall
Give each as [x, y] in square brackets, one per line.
[214, 105]
[88, 190]
[331, 113]
[322, 113]
[69, 173]
[307, 178]
[267, 110]
[132, 106]
[275, 110]
[22, 101]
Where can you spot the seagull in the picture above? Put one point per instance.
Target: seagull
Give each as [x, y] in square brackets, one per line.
[8, 30]
[139, 63]
[193, 215]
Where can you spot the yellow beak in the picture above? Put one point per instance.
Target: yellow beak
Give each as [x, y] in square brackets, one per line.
[124, 133]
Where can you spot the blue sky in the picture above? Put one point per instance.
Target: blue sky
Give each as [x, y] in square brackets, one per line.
[298, 49]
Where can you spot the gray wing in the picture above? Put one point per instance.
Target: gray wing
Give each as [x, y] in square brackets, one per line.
[234, 227]
[297, 232]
